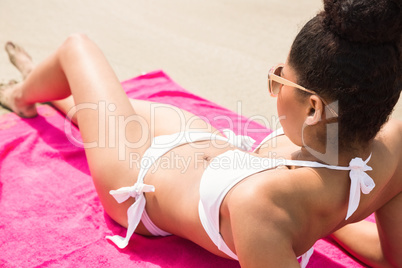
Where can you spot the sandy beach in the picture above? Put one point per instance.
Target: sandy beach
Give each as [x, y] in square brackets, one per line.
[218, 49]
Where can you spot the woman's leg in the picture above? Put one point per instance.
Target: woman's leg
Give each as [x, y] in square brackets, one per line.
[166, 119]
[169, 119]
[67, 106]
[79, 68]
[163, 119]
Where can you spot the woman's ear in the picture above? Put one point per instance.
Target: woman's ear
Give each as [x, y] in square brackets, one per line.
[314, 110]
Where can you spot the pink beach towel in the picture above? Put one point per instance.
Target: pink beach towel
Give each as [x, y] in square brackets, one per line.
[50, 215]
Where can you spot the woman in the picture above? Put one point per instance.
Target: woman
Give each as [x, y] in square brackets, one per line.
[348, 61]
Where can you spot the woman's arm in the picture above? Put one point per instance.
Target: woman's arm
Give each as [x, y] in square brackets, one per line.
[377, 244]
[263, 227]
[380, 244]
[262, 245]
[361, 239]
[389, 224]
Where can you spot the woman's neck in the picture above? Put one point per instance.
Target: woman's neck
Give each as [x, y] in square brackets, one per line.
[321, 143]
[334, 154]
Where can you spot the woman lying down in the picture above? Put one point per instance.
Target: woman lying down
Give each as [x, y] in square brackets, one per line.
[340, 159]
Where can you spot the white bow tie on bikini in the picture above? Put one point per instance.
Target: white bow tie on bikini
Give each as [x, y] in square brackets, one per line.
[124, 193]
[133, 216]
[243, 142]
[360, 181]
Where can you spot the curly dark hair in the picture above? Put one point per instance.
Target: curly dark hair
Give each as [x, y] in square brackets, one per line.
[351, 53]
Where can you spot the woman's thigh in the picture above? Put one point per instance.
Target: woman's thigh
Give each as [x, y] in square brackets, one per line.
[165, 119]
[155, 119]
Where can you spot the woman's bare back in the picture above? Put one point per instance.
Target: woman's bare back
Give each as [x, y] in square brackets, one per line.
[314, 201]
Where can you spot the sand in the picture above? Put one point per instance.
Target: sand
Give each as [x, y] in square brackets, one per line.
[218, 49]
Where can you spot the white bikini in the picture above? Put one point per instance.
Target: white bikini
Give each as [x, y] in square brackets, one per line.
[221, 175]
[160, 146]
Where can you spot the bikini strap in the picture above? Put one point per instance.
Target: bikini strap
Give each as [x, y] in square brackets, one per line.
[305, 258]
[274, 134]
[360, 180]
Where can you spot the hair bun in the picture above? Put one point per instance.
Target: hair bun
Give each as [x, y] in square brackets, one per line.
[366, 21]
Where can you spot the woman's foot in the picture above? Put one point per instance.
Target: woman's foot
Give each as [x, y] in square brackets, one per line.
[10, 98]
[19, 58]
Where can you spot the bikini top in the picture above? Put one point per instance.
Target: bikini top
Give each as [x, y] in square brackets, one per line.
[231, 167]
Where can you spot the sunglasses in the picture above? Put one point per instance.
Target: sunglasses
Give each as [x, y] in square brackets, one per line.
[275, 82]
